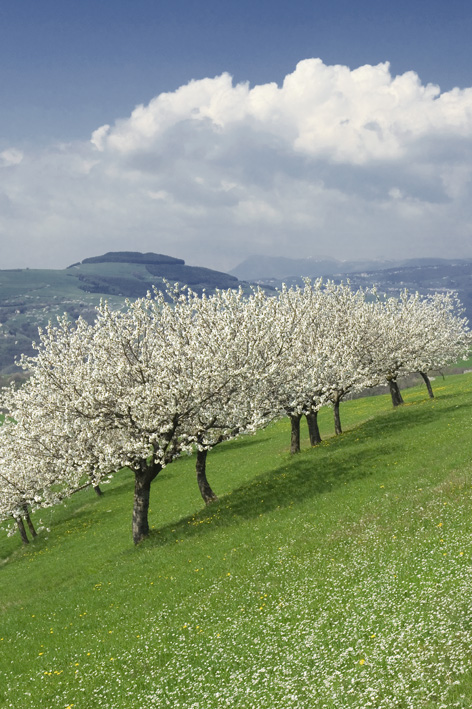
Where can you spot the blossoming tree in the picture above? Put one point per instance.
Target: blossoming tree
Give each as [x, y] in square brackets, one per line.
[417, 334]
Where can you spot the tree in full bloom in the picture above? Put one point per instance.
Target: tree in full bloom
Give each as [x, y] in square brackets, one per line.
[443, 334]
[14, 489]
[334, 329]
[302, 322]
[417, 334]
[246, 347]
[44, 453]
[350, 336]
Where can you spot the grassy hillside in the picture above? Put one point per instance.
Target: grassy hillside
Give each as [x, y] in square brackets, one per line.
[337, 578]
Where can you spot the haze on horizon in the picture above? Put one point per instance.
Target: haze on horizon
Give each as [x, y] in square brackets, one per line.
[215, 133]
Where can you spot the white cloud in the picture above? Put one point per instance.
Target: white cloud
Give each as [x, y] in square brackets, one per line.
[321, 111]
[348, 162]
[10, 157]
[99, 136]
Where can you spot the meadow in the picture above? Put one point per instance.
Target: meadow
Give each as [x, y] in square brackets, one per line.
[337, 578]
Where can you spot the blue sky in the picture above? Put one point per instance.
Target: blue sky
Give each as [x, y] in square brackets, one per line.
[68, 67]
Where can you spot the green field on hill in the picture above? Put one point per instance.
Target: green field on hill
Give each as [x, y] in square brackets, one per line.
[340, 577]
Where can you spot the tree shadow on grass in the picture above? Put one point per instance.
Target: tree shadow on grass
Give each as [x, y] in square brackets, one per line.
[305, 476]
[245, 441]
[354, 456]
[416, 415]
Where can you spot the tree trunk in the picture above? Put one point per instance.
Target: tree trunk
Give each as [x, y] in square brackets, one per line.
[142, 490]
[395, 393]
[313, 430]
[95, 486]
[428, 384]
[22, 530]
[295, 437]
[204, 486]
[337, 419]
[30, 523]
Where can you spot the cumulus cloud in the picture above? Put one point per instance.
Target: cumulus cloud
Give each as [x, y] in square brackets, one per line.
[351, 163]
[320, 111]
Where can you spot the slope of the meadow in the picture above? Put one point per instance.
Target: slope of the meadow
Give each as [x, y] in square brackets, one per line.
[338, 578]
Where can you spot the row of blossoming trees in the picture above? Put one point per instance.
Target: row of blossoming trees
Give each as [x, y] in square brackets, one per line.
[178, 373]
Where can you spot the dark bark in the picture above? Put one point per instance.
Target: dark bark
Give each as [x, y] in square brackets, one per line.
[337, 419]
[76, 489]
[395, 393]
[95, 486]
[295, 435]
[22, 530]
[313, 429]
[142, 490]
[427, 381]
[29, 523]
[204, 486]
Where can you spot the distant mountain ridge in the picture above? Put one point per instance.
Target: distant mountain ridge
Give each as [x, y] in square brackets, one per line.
[425, 275]
[263, 268]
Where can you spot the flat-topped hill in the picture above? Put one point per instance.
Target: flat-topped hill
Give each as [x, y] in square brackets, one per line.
[132, 257]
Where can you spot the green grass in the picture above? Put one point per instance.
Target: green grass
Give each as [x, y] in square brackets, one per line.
[340, 577]
[466, 363]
